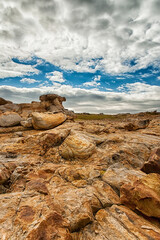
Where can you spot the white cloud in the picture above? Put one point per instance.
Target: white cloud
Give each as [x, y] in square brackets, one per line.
[72, 33]
[56, 77]
[28, 80]
[94, 83]
[141, 97]
[158, 78]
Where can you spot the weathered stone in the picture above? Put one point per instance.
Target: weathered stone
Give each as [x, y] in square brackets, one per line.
[143, 195]
[118, 222]
[27, 123]
[9, 119]
[137, 125]
[153, 163]
[77, 146]
[6, 170]
[117, 176]
[47, 120]
[31, 216]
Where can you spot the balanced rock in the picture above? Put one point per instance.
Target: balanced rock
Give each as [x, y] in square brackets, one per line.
[77, 146]
[10, 119]
[47, 120]
[143, 195]
[153, 163]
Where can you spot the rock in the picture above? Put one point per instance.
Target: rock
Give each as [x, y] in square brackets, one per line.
[47, 120]
[27, 123]
[137, 125]
[9, 119]
[153, 163]
[31, 216]
[3, 101]
[118, 223]
[6, 170]
[10, 107]
[143, 195]
[117, 175]
[77, 146]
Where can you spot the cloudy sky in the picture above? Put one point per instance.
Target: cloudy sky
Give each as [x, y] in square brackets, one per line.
[102, 55]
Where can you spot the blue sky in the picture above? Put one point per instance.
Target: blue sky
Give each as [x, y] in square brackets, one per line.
[103, 56]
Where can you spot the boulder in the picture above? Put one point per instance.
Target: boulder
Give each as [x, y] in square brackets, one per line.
[153, 163]
[10, 119]
[47, 120]
[143, 195]
[137, 125]
[77, 146]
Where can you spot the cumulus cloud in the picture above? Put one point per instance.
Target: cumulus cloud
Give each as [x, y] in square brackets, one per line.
[141, 97]
[56, 77]
[94, 83]
[73, 33]
[28, 80]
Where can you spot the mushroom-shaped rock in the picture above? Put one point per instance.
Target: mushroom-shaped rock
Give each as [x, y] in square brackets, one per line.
[143, 195]
[47, 120]
[10, 119]
[77, 146]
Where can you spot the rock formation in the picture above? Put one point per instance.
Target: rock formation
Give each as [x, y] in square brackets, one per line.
[81, 180]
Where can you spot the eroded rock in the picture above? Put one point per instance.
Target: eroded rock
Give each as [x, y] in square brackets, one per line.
[143, 195]
[47, 120]
[10, 119]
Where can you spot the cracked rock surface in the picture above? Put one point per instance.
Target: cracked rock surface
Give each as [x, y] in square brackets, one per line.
[82, 180]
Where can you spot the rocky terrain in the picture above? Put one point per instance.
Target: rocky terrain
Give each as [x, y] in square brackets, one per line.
[69, 179]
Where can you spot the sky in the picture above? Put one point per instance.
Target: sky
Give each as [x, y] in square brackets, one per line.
[102, 55]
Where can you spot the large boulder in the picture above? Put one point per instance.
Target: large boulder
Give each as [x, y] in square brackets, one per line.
[153, 163]
[10, 119]
[143, 195]
[77, 146]
[47, 120]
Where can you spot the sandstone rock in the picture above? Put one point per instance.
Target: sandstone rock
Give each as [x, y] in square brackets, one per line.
[9, 119]
[143, 195]
[153, 163]
[137, 125]
[118, 223]
[27, 123]
[9, 107]
[117, 175]
[6, 170]
[77, 146]
[31, 216]
[47, 120]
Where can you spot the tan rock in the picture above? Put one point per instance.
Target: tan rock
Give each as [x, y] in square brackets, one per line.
[153, 163]
[30, 216]
[118, 223]
[9, 119]
[143, 195]
[117, 176]
[47, 120]
[77, 146]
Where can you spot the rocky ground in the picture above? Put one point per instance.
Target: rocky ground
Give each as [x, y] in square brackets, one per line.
[81, 180]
